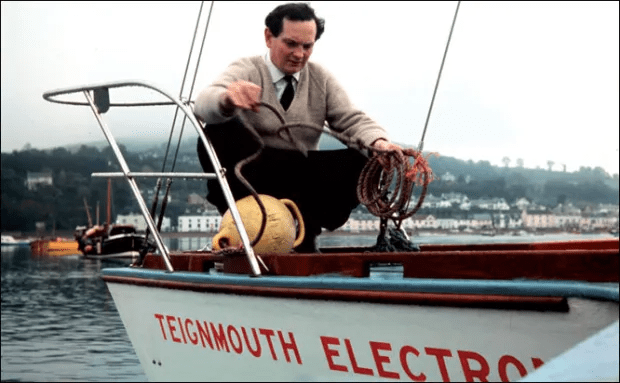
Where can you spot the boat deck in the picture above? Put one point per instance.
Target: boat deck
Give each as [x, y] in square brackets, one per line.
[592, 261]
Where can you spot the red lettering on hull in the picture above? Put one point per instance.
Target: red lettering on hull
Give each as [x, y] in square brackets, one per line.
[330, 353]
[403, 361]
[389, 361]
[380, 360]
[481, 373]
[290, 345]
[220, 338]
[440, 354]
[356, 369]
[236, 338]
[502, 367]
[256, 352]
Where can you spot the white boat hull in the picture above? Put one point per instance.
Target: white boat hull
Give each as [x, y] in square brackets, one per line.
[182, 335]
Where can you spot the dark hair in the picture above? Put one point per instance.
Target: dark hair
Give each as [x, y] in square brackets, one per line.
[293, 12]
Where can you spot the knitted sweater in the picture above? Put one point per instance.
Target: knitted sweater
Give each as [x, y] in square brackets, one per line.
[318, 98]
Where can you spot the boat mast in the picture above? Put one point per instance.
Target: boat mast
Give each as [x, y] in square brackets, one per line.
[109, 208]
[90, 220]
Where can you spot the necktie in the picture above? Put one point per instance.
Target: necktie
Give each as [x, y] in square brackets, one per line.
[288, 94]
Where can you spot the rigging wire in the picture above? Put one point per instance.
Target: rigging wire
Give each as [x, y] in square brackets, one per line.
[176, 154]
[191, 90]
[443, 60]
[183, 82]
[189, 57]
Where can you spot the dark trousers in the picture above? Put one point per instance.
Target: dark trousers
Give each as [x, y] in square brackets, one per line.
[322, 185]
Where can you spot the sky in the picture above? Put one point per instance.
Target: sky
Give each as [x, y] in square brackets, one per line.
[536, 81]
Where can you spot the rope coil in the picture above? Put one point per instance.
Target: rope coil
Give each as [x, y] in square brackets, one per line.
[386, 190]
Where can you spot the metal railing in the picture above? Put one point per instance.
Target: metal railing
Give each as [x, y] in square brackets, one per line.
[99, 102]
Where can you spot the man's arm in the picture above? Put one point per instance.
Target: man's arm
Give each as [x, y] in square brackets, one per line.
[240, 94]
[346, 118]
[217, 104]
[231, 90]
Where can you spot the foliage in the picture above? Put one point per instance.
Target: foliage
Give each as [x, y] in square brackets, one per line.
[61, 204]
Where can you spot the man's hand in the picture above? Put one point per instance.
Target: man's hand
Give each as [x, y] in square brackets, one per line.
[382, 145]
[241, 94]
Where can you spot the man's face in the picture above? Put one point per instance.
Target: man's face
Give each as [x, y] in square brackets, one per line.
[291, 50]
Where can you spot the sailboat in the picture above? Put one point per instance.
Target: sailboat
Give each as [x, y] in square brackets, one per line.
[438, 312]
[111, 241]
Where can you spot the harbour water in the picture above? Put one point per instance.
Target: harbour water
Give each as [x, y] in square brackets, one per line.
[59, 322]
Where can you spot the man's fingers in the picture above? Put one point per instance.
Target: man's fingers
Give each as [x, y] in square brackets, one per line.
[245, 95]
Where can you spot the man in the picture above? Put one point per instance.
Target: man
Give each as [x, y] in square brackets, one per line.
[322, 184]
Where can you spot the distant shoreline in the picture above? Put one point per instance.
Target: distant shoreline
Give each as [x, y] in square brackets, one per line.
[197, 234]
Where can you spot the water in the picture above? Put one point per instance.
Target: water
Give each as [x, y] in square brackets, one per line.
[59, 322]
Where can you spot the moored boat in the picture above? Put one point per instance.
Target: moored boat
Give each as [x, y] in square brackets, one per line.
[54, 247]
[9, 240]
[111, 241]
[118, 242]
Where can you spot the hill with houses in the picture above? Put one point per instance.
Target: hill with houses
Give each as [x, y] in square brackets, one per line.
[49, 186]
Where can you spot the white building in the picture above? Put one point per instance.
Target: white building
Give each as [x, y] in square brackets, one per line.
[522, 203]
[207, 222]
[538, 219]
[482, 220]
[424, 222]
[568, 220]
[138, 221]
[495, 204]
[432, 202]
[455, 198]
[34, 180]
[358, 222]
[448, 177]
[448, 223]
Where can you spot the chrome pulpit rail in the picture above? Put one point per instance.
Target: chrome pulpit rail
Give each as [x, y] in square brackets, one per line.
[99, 102]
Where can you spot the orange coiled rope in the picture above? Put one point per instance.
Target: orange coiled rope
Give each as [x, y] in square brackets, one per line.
[386, 190]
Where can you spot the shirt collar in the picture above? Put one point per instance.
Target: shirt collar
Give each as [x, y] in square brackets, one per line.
[277, 74]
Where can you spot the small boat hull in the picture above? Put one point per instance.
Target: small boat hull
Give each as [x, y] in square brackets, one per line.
[10, 241]
[122, 246]
[189, 326]
[54, 247]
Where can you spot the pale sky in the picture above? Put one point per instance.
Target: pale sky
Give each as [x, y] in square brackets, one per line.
[530, 80]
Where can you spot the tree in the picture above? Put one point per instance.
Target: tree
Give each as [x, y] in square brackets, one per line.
[600, 172]
[520, 162]
[506, 161]
[550, 164]
[561, 199]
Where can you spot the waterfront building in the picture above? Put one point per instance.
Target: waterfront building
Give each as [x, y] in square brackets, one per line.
[208, 221]
[538, 219]
[36, 179]
[138, 221]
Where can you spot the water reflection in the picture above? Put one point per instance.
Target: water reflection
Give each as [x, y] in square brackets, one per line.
[59, 322]
[188, 243]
